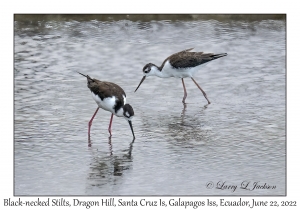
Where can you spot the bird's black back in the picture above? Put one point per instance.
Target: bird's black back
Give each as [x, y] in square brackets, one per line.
[107, 89]
[186, 59]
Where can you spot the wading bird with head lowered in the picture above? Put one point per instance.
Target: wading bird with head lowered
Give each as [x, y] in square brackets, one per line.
[181, 65]
[110, 97]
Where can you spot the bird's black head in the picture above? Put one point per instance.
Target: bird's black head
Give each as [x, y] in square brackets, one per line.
[147, 72]
[147, 68]
[128, 114]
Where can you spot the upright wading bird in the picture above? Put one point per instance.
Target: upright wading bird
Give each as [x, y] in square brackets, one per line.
[110, 97]
[181, 65]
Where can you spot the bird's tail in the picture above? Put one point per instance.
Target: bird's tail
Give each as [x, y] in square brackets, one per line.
[215, 56]
[83, 74]
[87, 76]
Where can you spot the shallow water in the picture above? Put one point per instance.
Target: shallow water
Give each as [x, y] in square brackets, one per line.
[178, 150]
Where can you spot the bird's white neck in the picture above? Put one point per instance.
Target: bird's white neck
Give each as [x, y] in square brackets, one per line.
[167, 70]
[156, 72]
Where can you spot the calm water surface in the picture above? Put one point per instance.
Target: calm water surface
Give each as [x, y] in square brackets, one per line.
[178, 150]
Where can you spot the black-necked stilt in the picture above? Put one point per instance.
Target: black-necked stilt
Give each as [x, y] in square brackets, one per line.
[110, 97]
[181, 65]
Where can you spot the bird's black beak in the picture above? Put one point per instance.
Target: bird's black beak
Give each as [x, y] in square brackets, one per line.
[130, 123]
[144, 77]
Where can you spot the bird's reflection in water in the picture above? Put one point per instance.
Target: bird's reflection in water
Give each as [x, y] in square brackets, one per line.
[105, 168]
[110, 145]
[184, 109]
[119, 164]
[89, 141]
[205, 106]
[129, 150]
[186, 129]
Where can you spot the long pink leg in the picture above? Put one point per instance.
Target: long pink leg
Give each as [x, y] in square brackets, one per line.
[201, 90]
[109, 128]
[90, 123]
[185, 94]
